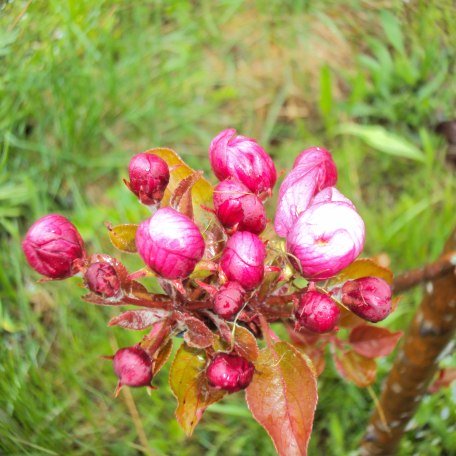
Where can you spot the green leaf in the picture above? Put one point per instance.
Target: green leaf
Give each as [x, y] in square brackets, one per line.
[383, 140]
[123, 237]
[393, 30]
[188, 382]
[282, 397]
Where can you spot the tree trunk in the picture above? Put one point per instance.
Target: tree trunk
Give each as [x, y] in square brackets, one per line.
[429, 334]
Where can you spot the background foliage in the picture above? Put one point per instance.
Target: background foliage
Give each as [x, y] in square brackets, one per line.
[85, 84]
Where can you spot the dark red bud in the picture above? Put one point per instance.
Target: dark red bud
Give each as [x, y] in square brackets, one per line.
[102, 279]
[133, 366]
[368, 297]
[228, 300]
[317, 312]
[230, 372]
[51, 245]
[149, 177]
[235, 204]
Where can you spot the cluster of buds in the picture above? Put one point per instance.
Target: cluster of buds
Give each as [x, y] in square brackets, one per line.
[206, 290]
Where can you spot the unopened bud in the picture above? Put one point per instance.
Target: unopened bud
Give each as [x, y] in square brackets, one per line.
[228, 300]
[170, 243]
[368, 297]
[51, 245]
[243, 159]
[149, 177]
[230, 372]
[102, 279]
[133, 367]
[325, 239]
[317, 312]
[235, 205]
[243, 259]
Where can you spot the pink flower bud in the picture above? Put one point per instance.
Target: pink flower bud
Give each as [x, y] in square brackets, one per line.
[325, 239]
[368, 297]
[243, 259]
[244, 159]
[170, 244]
[314, 169]
[149, 176]
[317, 312]
[228, 300]
[133, 366]
[230, 372]
[331, 194]
[317, 157]
[101, 278]
[51, 245]
[236, 205]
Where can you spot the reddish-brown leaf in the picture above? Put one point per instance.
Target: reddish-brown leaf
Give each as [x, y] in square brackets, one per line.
[123, 237]
[139, 319]
[188, 381]
[356, 368]
[198, 335]
[444, 379]
[282, 397]
[317, 356]
[373, 341]
[243, 342]
[182, 196]
[162, 356]
[348, 319]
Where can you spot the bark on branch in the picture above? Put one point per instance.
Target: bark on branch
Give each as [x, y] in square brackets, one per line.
[409, 279]
[430, 332]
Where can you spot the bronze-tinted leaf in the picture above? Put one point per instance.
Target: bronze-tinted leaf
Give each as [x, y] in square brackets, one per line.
[162, 355]
[198, 335]
[139, 319]
[356, 368]
[244, 345]
[182, 197]
[373, 341]
[123, 237]
[282, 397]
[363, 267]
[188, 382]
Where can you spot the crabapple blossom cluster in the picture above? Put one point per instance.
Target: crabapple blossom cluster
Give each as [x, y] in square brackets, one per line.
[226, 271]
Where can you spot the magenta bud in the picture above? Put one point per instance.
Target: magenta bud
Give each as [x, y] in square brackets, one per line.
[229, 300]
[317, 312]
[170, 244]
[102, 279]
[230, 372]
[368, 297]
[243, 259]
[325, 239]
[133, 366]
[236, 205]
[149, 177]
[244, 159]
[314, 170]
[51, 245]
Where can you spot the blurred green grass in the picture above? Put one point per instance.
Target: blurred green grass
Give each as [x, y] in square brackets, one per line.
[85, 84]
